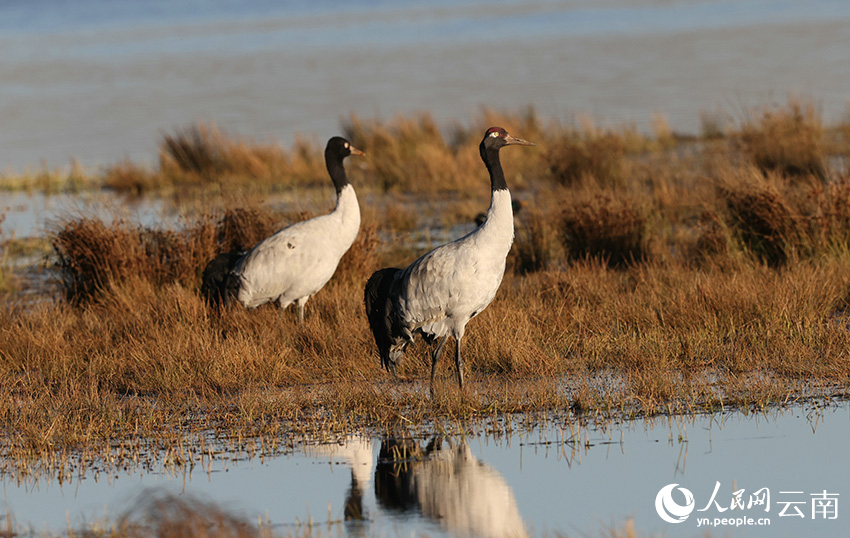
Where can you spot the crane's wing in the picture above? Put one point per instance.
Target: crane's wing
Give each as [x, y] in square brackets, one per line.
[378, 297]
[281, 260]
[217, 281]
[430, 287]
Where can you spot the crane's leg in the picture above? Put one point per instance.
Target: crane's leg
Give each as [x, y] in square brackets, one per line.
[299, 304]
[459, 364]
[434, 358]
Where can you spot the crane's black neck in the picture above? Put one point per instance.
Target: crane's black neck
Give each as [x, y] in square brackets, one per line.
[336, 170]
[490, 156]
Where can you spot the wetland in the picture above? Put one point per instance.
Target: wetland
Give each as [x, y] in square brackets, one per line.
[662, 290]
[670, 341]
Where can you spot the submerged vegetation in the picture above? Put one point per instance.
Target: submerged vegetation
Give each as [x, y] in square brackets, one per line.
[650, 274]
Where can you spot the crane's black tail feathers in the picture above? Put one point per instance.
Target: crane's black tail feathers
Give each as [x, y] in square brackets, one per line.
[219, 285]
[379, 297]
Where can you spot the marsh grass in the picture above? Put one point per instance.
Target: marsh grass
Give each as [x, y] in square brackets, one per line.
[240, 228]
[536, 243]
[69, 179]
[606, 228]
[593, 156]
[692, 282]
[202, 157]
[788, 140]
[765, 224]
[91, 255]
[653, 328]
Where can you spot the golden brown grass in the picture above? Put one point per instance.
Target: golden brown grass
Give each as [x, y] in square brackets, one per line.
[691, 282]
[69, 179]
[664, 335]
[610, 229]
[91, 255]
[202, 157]
[788, 140]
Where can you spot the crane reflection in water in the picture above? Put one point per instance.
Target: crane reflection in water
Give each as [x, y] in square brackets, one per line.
[440, 480]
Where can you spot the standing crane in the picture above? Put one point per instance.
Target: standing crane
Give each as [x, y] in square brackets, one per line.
[439, 293]
[297, 261]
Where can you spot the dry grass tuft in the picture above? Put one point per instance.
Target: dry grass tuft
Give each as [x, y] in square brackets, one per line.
[168, 516]
[409, 155]
[206, 152]
[239, 229]
[204, 156]
[774, 220]
[91, 256]
[602, 227]
[762, 219]
[712, 239]
[789, 141]
[581, 157]
[536, 242]
[200, 149]
[133, 179]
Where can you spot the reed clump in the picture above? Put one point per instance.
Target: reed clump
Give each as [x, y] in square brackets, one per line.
[202, 156]
[92, 255]
[411, 155]
[240, 228]
[606, 228]
[788, 140]
[536, 244]
[169, 516]
[203, 153]
[764, 222]
[133, 179]
[774, 220]
[587, 156]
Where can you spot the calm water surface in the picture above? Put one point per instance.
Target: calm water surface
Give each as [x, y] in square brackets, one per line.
[553, 478]
[101, 80]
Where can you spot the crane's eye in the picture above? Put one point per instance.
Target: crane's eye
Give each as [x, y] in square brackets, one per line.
[346, 145]
[494, 134]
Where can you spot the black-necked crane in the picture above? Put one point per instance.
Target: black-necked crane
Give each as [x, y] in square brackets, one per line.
[441, 291]
[297, 261]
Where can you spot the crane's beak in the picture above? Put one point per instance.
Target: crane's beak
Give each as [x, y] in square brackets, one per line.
[518, 141]
[355, 151]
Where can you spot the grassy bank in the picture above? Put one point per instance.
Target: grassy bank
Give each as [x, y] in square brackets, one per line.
[651, 273]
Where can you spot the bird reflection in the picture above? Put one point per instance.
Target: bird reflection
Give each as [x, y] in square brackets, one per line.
[447, 484]
[441, 480]
[356, 452]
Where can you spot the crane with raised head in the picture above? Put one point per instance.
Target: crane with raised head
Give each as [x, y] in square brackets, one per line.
[439, 293]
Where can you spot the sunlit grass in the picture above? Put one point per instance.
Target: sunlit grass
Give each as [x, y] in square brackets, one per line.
[651, 273]
[69, 179]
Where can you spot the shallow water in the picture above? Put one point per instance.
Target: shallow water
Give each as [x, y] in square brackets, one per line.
[36, 214]
[101, 80]
[553, 478]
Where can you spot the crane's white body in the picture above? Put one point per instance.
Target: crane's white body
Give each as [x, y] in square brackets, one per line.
[296, 262]
[441, 291]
